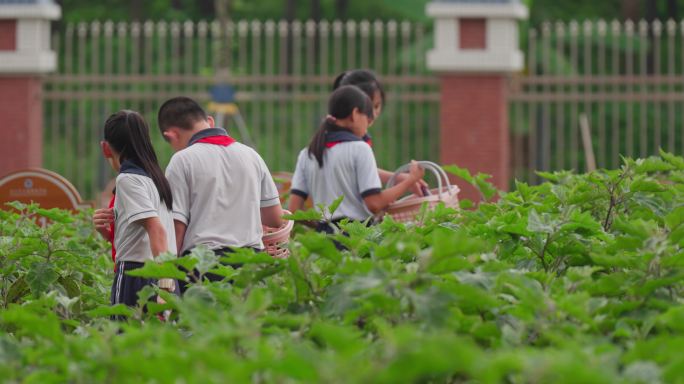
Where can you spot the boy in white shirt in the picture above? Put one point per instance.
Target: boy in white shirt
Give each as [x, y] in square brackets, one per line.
[222, 190]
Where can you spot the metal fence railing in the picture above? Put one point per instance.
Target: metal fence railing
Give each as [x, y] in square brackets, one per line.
[627, 78]
[282, 72]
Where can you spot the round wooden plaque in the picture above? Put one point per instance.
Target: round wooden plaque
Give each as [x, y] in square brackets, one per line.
[41, 186]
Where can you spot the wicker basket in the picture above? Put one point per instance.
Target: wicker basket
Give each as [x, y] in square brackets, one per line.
[406, 209]
[276, 239]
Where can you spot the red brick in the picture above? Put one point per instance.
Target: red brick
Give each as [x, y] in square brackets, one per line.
[474, 127]
[8, 35]
[472, 33]
[21, 109]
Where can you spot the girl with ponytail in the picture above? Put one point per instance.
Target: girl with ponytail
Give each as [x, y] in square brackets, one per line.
[338, 162]
[369, 83]
[142, 208]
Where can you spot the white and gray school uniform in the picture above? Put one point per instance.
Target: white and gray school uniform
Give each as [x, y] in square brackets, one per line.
[218, 191]
[137, 198]
[349, 170]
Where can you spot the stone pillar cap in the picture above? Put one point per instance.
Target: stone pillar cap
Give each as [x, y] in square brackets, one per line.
[29, 9]
[477, 9]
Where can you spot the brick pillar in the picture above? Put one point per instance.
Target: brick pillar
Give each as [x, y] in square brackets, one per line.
[476, 50]
[21, 108]
[474, 131]
[24, 57]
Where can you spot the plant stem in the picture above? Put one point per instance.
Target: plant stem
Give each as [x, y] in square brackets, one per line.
[543, 251]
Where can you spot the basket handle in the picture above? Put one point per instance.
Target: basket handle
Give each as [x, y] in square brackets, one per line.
[442, 178]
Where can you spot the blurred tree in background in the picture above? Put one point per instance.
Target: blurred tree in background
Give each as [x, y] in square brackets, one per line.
[80, 10]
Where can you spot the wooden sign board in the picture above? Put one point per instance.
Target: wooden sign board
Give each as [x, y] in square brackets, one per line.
[35, 185]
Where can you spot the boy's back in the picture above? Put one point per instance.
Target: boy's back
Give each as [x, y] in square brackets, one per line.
[218, 192]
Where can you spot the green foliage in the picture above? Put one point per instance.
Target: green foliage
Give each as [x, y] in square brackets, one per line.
[579, 279]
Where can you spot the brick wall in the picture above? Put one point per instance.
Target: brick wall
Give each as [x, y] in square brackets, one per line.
[8, 35]
[472, 33]
[21, 111]
[474, 132]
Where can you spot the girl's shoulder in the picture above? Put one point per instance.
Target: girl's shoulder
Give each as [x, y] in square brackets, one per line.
[132, 180]
[355, 147]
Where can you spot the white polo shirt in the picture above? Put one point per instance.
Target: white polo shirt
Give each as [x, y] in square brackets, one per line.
[137, 198]
[349, 169]
[218, 192]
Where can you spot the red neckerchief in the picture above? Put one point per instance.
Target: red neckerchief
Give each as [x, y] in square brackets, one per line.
[111, 232]
[223, 141]
[365, 138]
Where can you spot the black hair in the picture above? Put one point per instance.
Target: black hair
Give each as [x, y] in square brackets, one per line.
[182, 112]
[341, 104]
[362, 78]
[129, 135]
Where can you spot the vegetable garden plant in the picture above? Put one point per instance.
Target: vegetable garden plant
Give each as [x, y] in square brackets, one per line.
[576, 280]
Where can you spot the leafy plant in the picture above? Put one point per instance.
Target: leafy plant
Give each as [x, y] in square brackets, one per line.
[578, 279]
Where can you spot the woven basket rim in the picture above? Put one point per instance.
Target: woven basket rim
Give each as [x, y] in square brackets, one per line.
[282, 233]
[415, 200]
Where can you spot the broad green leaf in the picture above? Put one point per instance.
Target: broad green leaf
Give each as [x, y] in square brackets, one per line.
[642, 184]
[113, 310]
[309, 215]
[675, 218]
[335, 204]
[17, 290]
[153, 270]
[487, 189]
[206, 259]
[56, 215]
[676, 161]
[41, 276]
[460, 172]
[652, 164]
[539, 223]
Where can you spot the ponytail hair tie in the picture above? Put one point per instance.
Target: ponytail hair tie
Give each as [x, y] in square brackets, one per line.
[331, 118]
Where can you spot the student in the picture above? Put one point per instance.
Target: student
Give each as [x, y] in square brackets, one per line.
[142, 208]
[223, 191]
[338, 162]
[371, 86]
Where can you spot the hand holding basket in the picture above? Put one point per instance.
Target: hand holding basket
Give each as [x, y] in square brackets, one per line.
[406, 209]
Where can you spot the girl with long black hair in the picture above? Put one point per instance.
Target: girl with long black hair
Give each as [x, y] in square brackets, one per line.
[142, 208]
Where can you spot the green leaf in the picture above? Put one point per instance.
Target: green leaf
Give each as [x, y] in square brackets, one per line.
[17, 291]
[460, 172]
[41, 276]
[343, 340]
[114, 310]
[487, 189]
[641, 184]
[309, 215]
[154, 270]
[676, 161]
[582, 221]
[675, 218]
[652, 164]
[539, 224]
[335, 204]
[247, 256]
[466, 204]
[205, 257]
[320, 244]
[56, 215]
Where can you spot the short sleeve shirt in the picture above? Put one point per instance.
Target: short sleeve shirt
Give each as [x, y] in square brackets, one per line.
[137, 198]
[218, 192]
[349, 170]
